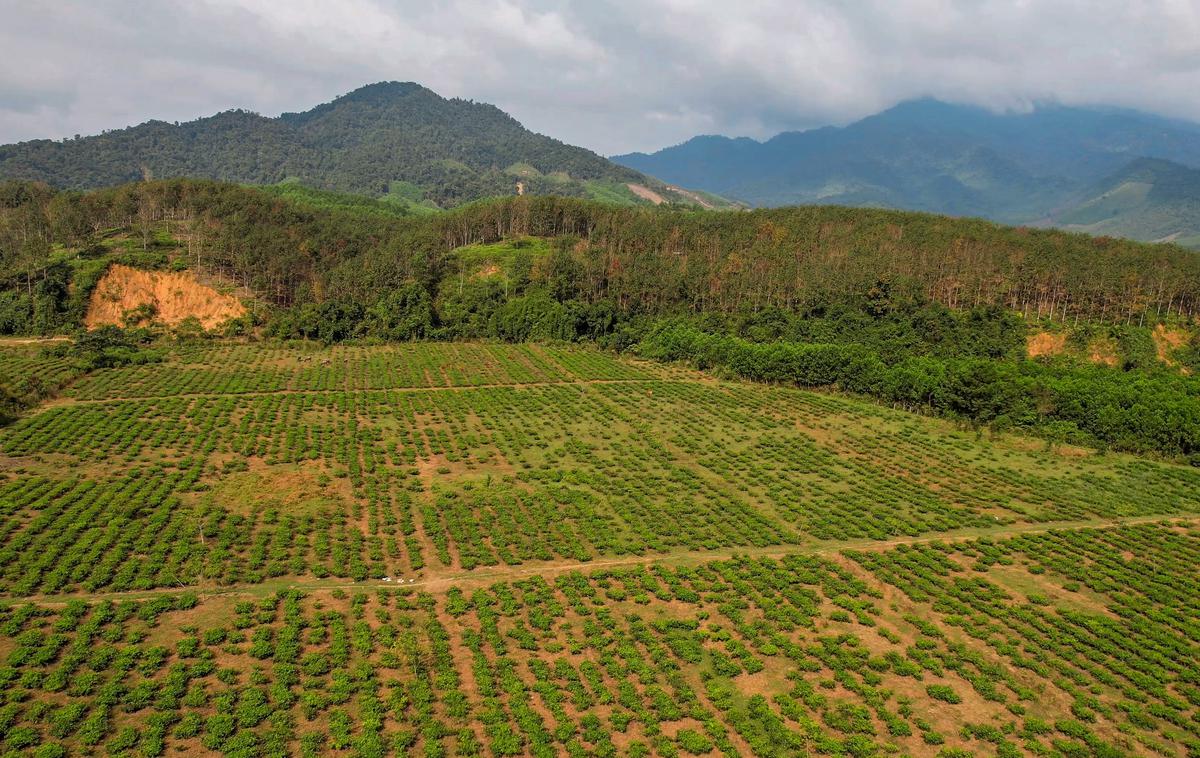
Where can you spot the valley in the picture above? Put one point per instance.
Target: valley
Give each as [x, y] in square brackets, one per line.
[392, 427]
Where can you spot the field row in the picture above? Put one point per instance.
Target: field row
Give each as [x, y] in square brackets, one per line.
[29, 371]
[1068, 643]
[376, 483]
[235, 369]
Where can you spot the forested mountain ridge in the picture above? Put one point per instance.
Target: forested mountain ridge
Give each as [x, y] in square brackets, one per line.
[931, 156]
[391, 139]
[1149, 199]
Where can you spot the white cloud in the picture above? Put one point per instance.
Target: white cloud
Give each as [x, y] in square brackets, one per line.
[614, 75]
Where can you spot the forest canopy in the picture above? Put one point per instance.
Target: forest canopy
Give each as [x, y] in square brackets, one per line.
[633, 260]
[396, 140]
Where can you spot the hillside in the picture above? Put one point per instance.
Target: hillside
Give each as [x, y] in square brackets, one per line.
[395, 140]
[1153, 200]
[930, 156]
[302, 249]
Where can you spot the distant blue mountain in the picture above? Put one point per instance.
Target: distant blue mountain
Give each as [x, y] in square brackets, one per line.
[931, 156]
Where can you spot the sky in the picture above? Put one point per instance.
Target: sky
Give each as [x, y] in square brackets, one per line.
[611, 75]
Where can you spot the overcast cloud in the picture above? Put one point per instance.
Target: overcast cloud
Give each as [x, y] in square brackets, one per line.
[612, 75]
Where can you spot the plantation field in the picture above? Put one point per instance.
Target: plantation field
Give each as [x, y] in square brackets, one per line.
[26, 370]
[468, 549]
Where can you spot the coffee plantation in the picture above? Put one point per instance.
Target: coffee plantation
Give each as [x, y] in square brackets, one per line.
[485, 549]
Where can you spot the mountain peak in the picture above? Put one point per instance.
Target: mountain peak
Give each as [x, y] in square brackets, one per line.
[931, 155]
[378, 90]
[379, 94]
[378, 139]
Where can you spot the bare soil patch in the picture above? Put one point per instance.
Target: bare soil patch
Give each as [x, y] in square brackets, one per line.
[173, 295]
[1045, 343]
[1167, 341]
[1104, 352]
[290, 487]
[646, 193]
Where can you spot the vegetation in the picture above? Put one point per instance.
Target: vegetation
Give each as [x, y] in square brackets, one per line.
[1147, 200]
[962, 160]
[30, 374]
[934, 317]
[1140, 412]
[236, 464]
[352, 527]
[632, 261]
[394, 140]
[216, 506]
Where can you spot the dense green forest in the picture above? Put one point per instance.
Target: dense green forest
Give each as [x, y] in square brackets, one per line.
[920, 311]
[395, 140]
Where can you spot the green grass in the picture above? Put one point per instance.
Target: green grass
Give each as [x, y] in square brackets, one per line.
[1192, 241]
[522, 169]
[500, 255]
[308, 197]
[1128, 197]
[454, 165]
[610, 192]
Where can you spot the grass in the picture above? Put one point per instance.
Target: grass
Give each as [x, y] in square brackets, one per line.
[610, 192]
[522, 169]
[499, 257]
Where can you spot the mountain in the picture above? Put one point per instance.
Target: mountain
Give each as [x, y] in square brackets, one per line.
[931, 156]
[1148, 199]
[391, 139]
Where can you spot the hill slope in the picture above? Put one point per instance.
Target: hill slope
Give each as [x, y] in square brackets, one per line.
[296, 249]
[931, 156]
[387, 139]
[1148, 200]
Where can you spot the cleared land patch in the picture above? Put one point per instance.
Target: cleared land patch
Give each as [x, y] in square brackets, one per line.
[169, 297]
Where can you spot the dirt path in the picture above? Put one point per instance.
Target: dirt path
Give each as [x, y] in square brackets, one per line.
[32, 340]
[445, 578]
[693, 196]
[646, 193]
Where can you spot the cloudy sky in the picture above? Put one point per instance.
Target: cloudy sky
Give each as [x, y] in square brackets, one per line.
[612, 75]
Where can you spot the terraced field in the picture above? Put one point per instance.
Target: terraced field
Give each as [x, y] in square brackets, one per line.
[461, 549]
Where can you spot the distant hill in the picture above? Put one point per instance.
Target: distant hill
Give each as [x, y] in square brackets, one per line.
[1149, 199]
[931, 156]
[395, 140]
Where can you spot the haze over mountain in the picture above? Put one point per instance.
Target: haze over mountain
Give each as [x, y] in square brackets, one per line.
[392, 139]
[932, 156]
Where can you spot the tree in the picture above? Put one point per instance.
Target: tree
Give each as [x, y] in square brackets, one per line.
[401, 315]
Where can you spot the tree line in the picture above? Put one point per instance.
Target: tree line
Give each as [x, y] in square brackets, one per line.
[634, 261]
[1139, 412]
